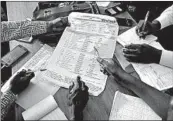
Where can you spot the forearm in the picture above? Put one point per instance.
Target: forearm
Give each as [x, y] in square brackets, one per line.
[12, 30]
[7, 99]
[157, 100]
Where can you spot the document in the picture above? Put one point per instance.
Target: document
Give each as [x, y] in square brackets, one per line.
[39, 87]
[75, 55]
[46, 109]
[130, 37]
[155, 75]
[126, 107]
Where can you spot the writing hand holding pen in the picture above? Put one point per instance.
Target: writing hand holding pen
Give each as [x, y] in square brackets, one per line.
[145, 27]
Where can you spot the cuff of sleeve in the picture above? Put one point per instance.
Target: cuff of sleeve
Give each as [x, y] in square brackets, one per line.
[162, 21]
[11, 94]
[167, 58]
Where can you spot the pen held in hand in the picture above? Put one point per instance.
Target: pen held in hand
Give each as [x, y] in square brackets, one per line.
[145, 21]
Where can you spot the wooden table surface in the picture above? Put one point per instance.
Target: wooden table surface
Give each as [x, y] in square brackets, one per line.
[98, 108]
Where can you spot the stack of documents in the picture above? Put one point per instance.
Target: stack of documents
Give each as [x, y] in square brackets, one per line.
[46, 109]
[75, 55]
[154, 75]
[126, 107]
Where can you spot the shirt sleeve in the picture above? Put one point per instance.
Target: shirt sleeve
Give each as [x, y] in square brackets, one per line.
[167, 58]
[11, 30]
[7, 99]
[166, 18]
[170, 111]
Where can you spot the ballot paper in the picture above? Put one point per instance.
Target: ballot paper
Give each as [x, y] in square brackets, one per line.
[155, 75]
[130, 37]
[39, 87]
[126, 107]
[46, 109]
[75, 55]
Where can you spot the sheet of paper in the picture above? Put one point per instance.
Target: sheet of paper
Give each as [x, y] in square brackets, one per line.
[130, 36]
[155, 75]
[120, 57]
[94, 24]
[57, 114]
[31, 96]
[126, 107]
[75, 55]
[40, 109]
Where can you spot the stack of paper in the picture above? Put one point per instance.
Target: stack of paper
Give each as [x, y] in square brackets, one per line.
[126, 107]
[46, 109]
[154, 75]
[75, 55]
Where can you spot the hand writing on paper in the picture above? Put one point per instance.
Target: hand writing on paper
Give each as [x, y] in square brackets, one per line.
[78, 98]
[21, 81]
[142, 53]
[150, 28]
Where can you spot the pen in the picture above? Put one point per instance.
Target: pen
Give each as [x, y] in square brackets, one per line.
[38, 70]
[100, 60]
[145, 21]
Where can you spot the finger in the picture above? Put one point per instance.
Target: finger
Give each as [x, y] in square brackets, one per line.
[131, 57]
[131, 51]
[64, 20]
[71, 87]
[57, 21]
[83, 86]
[58, 29]
[103, 62]
[133, 46]
[21, 73]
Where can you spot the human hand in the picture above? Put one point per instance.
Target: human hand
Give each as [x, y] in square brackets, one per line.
[57, 25]
[21, 81]
[142, 53]
[78, 98]
[110, 67]
[150, 28]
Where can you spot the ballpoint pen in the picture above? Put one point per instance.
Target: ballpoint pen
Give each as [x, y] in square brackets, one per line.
[100, 60]
[145, 21]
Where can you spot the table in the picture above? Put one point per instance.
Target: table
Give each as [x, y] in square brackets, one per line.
[98, 108]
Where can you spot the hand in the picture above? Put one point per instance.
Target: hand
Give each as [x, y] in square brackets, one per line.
[57, 25]
[149, 28]
[142, 53]
[110, 67]
[21, 81]
[78, 98]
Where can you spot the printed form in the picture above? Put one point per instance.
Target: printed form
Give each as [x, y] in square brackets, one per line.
[75, 55]
[155, 75]
[126, 107]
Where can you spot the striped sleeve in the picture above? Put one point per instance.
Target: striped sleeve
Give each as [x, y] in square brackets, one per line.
[7, 99]
[11, 30]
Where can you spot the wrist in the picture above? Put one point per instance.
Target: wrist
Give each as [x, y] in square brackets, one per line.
[49, 25]
[156, 25]
[157, 56]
